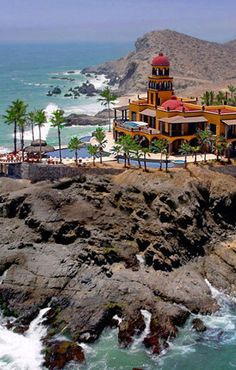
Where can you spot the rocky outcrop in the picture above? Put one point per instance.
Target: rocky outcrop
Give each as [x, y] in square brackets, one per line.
[73, 245]
[84, 119]
[59, 353]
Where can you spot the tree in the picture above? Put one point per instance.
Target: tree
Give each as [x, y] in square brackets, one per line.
[232, 90]
[40, 119]
[204, 139]
[75, 144]
[127, 144]
[107, 98]
[206, 98]
[211, 97]
[15, 114]
[100, 137]
[195, 151]
[31, 118]
[117, 150]
[185, 149]
[159, 146]
[145, 152]
[21, 125]
[167, 156]
[219, 146]
[228, 148]
[220, 98]
[93, 151]
[57, 121]
[137, 153]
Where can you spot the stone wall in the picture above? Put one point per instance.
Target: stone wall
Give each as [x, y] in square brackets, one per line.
[40, 172]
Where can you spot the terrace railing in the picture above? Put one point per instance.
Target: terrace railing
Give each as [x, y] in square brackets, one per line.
[140, 129]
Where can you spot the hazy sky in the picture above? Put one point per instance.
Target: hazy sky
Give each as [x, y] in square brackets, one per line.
[114, 20]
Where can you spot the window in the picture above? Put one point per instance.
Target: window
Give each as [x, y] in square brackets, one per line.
[133, 116]
[151, 98]
[213, 128]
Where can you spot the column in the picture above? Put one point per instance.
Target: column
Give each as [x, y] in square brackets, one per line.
[115, 115]
[170, 129]
[182, 129]
[226, 131]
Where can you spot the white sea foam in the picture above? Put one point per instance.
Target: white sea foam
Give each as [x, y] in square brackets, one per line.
[90, 107]
[21, 352]
[138, 340]
[141, 260]
[99, 81]
[4, 150]
[51, 107]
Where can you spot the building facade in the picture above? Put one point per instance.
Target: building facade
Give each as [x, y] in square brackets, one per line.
[162, 115]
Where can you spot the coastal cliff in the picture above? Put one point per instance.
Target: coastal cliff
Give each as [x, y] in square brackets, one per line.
[97, 246]
[197, 65]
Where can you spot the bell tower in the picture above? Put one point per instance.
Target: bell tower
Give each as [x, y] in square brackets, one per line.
[160, 84]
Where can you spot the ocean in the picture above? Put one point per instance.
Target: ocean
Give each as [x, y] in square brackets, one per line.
[28, 72]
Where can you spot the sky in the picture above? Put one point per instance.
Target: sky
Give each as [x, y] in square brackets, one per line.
[114, 20]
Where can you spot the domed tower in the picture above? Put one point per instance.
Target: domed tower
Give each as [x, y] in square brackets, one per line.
[160, 85]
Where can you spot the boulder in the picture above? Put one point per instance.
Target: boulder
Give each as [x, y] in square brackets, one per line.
[59, 353]
[56, 90]
[83, 120]
[199, 325]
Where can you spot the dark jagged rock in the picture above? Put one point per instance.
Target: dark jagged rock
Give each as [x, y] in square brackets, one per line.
[56, 90]
[59, 353]
[60, 249]
[199, 325]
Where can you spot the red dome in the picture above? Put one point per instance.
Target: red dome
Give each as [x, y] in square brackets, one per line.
[172, 104]
[160, 60]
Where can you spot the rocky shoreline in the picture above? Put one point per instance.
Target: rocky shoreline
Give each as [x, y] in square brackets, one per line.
[74, 246]
[99, 119]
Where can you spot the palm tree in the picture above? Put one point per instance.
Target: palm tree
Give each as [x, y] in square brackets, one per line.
[127, 144]
[75, 144]
[57, 121]
[145, 152]
[21, 125]
[228, 147]
[185, 149]
[204, 139]
[117, 150]
[100, 137]
[39, 120]
[220, 98]
[195, 151]
[137, 152]
[15, 113]
[159, 146]
[206, 98]
[211, 97]
[232, 90]
[31, 118]
[93, 151]
[107, 98]
[167, 156]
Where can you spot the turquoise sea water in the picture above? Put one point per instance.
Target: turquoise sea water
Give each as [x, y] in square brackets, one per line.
[26, 73]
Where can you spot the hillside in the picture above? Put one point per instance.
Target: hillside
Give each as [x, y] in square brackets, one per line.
[195, 63]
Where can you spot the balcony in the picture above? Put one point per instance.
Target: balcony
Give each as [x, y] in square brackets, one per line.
[127, 126]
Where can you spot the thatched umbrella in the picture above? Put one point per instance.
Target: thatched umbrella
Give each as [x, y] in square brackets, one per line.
[34, 148]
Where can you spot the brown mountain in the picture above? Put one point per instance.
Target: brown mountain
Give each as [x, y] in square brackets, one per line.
[196, 64]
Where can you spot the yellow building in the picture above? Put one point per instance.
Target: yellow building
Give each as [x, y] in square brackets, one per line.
[162, 115]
